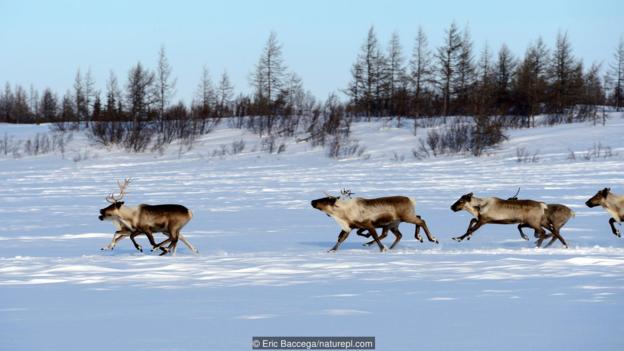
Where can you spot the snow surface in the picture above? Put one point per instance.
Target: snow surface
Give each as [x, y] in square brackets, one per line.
[263, 268]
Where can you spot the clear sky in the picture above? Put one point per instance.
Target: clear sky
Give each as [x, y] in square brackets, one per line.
[44, 42]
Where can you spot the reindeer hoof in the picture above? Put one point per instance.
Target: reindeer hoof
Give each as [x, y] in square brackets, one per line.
[331, 251]
[436, 241]
[383, 249]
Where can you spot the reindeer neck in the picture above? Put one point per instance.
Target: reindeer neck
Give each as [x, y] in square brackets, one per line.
[474, 204]
[127, 215]
[614, 199]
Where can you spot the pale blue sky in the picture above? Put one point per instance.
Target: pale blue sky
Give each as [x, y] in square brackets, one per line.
[44, 42]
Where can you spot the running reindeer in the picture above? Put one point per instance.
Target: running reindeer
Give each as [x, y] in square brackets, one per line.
[525, 213]
[146, 219]
[614, 204]
[555, 217]
[368, 214]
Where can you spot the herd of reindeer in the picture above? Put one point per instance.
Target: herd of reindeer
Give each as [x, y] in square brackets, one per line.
[366, 215]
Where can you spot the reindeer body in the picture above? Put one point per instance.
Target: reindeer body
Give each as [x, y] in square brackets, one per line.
[124, 232]
[368, 214]
[527, 213]
[555, 217]
[612, 203]
[148, 219]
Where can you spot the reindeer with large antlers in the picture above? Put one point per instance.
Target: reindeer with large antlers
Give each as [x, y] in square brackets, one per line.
[146, 219]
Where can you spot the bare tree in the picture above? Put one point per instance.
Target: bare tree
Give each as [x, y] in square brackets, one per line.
[268, 77]
[561, 71]
[530, 83]
[396, 68]
[49, 105]
[80, 99]
[485, 82]
[447, 56]
[33, 104]
[165, 85]
[505, 69]
[21, 107]
[367, 73]
[89, 94]
[464, 80]
[140, 101]
[225, 92]
[139, 90]
[616, 75]
[421, 69]
[114, 98]
[7, 102]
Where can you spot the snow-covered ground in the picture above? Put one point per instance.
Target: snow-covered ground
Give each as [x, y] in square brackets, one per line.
[263, 268]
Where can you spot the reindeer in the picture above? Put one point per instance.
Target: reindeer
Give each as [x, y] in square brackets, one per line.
[124, 232]
[368, 214]
[146, 219]
[555, 217]
[614, 204]
[528, 213]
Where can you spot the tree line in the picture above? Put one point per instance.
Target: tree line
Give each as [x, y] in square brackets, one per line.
[449, 80]
[452, 80]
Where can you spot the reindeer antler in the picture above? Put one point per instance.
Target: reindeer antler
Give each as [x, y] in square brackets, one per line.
[122, 191]
[515, 197]
[346, 193]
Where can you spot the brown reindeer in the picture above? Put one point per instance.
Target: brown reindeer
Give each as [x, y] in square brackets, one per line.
[368, 214]
[555, 217]
[146, 219]
[614, 204]
[384, 233]
[124, 232]
[498, 211]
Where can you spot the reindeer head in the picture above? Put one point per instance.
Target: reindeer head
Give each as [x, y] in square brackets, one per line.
[326, 204]
[461, 203]
[112, 210]
[598, 199]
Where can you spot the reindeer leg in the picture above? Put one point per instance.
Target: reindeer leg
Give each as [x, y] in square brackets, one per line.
[470, 230]
[341, 237]
[552, 240]
[120, 234]
[136, 245]
[361, 231]
[160, 245]
[384, 234]
[419, 222]
[471, 224]
[417, 231]
[188, 244]
[520, 226]
[554, 233]
[539, 241]
[398, 235]
[615, 231]
[373, 232]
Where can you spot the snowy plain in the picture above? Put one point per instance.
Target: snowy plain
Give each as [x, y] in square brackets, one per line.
[263, 268]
